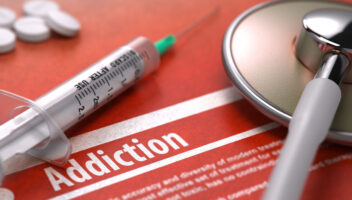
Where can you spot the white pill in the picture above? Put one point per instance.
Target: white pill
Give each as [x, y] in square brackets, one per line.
[62, 23]
[31, 29]
[6, 194]
[39, 8]
[7, 40]
[7, 17]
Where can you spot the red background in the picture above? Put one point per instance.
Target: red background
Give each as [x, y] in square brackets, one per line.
[192, 68]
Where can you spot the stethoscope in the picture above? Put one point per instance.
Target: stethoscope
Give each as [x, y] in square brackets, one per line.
[289, 60]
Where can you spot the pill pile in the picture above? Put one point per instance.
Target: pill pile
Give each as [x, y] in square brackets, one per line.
[40, 18]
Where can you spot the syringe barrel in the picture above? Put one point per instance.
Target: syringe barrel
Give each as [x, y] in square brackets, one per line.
[73, 100]
[99, 83]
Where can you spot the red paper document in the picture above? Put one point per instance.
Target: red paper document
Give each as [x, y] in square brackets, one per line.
[184, 132]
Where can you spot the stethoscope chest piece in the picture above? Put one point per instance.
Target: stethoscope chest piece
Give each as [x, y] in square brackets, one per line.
[261, 58]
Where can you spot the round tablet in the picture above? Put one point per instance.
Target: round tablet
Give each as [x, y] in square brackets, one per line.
[7, 40]
[39, 8]
[6, 194]
[7, 17]
[31, 29]
[62, 23]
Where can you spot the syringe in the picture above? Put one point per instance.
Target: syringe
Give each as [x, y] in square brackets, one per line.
[38, 129]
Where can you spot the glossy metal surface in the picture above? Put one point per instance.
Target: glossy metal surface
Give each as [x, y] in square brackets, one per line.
[266, 69]
[334, 66]
[324, 30]
[330, 26]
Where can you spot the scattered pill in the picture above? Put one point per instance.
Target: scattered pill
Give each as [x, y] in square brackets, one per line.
[6, 194]
[7, 40]
[39, 8]
[42, 16]
[62, 23]
[31, 29]
[7, 17]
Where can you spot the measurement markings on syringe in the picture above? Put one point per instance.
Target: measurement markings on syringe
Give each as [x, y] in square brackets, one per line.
[108, 80]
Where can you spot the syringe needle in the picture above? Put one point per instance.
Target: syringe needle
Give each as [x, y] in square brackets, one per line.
[165, 43]
[197, 22]
[39, 129]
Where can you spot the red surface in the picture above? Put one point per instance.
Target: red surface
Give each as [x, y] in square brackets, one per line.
[33, 69]
[192, 68]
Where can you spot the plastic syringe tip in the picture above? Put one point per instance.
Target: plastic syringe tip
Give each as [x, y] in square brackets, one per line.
[165, 43]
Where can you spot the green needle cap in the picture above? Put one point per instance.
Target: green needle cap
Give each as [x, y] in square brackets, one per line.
[165, 43]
